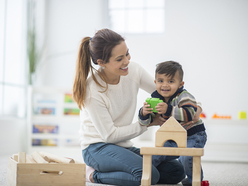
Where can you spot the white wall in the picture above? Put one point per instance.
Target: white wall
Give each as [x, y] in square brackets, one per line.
[12, 136]
[67, 22]
[209, 38]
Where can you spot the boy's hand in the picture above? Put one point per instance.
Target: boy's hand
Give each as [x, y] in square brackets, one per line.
[161, 108]
[146, 110]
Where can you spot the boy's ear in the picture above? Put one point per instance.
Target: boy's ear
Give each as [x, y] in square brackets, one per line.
[181, 84]
[155, 81]
[100, 62]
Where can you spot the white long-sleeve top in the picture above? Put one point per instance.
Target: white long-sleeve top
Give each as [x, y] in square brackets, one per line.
[107, 116]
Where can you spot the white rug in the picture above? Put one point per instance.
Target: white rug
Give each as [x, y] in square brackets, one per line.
[218, 174]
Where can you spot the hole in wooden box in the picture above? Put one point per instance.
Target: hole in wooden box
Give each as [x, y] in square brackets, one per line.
[52, 172]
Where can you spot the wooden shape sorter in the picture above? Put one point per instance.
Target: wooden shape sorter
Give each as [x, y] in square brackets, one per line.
[171, 130]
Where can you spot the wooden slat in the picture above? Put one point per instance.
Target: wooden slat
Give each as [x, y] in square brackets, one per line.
[55, 158]
[38, 158]
[147, 168]
[173, 151]
[196, 180]
[21, 157]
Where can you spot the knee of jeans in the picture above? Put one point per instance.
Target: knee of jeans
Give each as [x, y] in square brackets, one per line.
[179, 174]
[155, 175]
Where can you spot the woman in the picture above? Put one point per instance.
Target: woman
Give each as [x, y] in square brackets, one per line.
[107, 100]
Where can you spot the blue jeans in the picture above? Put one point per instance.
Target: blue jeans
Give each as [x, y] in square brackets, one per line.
[197, 140]
[123, 166]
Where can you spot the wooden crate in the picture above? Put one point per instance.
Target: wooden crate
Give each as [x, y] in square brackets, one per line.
[45, 174]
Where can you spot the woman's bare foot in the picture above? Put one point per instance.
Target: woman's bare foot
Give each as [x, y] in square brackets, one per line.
[91, 178]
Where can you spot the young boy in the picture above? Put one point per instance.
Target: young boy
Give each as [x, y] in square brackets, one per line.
[180, 104]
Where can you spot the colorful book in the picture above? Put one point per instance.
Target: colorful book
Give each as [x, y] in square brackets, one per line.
[45, 110]
[44, 142]
[52, 129]
[68, 98]
[71, 111]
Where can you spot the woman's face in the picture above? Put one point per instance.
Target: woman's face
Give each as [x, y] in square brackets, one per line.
[118, 63]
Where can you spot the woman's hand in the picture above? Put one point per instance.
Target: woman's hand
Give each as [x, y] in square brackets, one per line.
[158, 120]
[196, 116]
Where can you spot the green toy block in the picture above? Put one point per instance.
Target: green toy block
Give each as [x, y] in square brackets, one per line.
[153, 103]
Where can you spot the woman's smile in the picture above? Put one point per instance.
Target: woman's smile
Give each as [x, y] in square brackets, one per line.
[125, 68]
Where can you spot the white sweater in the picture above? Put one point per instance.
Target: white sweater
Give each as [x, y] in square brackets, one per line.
[107, 117]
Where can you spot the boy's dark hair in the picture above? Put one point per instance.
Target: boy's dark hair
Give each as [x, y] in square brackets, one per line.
[169, 68]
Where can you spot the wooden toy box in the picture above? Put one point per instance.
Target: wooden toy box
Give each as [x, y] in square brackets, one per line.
[45, 174]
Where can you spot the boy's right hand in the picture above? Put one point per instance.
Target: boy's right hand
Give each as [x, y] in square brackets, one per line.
[146, 109]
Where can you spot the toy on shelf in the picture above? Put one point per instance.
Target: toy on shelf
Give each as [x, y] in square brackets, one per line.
[45, 128]
[202, 115]
[153, 103]
[242, 115]
[215, 116]
[68, 98]
[71, 111]
[171, 130]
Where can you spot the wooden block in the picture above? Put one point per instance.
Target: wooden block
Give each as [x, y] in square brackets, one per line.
[171, 130]
[29, 159]
[38, 158]
[196, 176]
[171, 125]
[179, 137]
[172, 151]
[147, 170]
[56, 158]
[15, 157]
[21, 157]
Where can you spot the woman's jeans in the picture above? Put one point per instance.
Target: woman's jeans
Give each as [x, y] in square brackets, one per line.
[197, 140]
[117, 165]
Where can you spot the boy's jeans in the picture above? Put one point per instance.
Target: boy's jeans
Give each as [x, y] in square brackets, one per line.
[197, 140]
[123, 166]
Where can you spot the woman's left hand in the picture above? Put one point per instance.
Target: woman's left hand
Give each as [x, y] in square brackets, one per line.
[158, 120]
[196, 116]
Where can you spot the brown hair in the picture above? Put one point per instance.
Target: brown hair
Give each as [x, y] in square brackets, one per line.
[169, 68]
[98, 47]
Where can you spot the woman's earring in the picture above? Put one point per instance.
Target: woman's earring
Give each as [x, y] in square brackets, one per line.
[103, 67]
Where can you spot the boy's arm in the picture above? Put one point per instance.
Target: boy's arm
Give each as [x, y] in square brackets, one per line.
[184, 109]
[144, 120]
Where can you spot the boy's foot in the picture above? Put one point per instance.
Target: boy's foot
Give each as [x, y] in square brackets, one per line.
[186, 182]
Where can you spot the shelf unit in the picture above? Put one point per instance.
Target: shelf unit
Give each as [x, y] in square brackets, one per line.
[51, 127]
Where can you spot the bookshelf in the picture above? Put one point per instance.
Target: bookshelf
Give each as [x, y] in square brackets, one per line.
[53, 121]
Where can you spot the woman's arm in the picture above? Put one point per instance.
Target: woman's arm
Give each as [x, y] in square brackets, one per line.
[146, 81]
[105, 126]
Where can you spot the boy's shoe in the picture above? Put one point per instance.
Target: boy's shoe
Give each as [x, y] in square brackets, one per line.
[186, 182]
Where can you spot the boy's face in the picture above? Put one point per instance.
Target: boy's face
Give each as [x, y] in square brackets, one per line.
[167, 86]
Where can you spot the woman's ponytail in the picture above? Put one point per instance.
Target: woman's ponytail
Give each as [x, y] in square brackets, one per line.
[83, 67]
